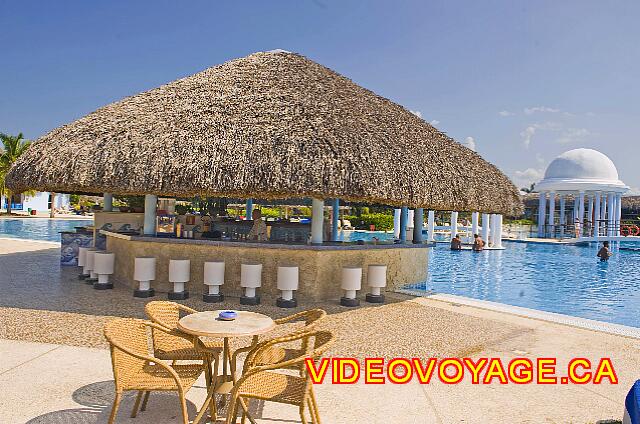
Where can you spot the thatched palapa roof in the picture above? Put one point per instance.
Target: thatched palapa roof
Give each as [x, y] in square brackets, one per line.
[270, 125]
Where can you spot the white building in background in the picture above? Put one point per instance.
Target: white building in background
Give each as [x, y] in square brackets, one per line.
[580, 196]
[41, 201]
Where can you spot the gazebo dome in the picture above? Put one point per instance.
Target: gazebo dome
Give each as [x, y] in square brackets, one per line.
[581, 170]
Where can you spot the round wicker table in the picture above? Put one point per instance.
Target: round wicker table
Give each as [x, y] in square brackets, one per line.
[208, 324]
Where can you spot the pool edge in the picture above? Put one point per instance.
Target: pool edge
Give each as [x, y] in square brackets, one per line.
[568, 320]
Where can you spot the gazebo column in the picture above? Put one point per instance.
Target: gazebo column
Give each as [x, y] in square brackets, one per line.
[552, 213]
[596, 215]
[603, 214]
[108, 202]
[581, 212]
[485, 228]
[317, 220]
[454, 224]
[590, 216]
[418, 223]
[611, 214]
[431, 223]
[474, 223]
[150, 204]
[563, 218]
[249, 209]
[396, 223]
[335, 218]
[542, 206]
[497, 242]
[404, 217]
[618, 213]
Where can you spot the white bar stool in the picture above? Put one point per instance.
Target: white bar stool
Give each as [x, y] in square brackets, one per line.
[250, 279]
[377, 280]
[179, 274]
[287, 283]
[213, 279]
[351, 283]
[89, 264]
[82, 261]
[103, 265]
[144, 272]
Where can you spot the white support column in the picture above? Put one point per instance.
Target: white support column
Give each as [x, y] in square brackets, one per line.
[618, 214]
[603, 215]
[108, 202]
[611, 214]
[498, 232]
[317, 220]
[485, 228]
[474, 223]
[542, 206]
[596, 215]
[552, 213]
[431, 223]
[589, 220]
[581, 213]
[150, 204]
[563, 219]
[396, 223]
[454, 224]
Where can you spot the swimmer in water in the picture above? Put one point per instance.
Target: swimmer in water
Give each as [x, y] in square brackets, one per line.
[604, 253]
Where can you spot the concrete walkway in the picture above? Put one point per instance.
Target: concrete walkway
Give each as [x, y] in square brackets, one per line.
[54, 368]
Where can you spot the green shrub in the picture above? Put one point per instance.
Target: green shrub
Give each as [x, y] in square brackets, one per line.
[382, 222]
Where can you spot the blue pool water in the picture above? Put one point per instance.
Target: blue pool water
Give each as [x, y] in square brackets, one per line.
[562, 279]
[39, 229]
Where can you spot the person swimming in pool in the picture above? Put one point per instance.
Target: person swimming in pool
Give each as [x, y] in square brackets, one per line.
[456, 243]
[478, 243]
[604, 253]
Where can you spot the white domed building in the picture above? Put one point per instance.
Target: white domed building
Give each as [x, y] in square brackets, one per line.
[588, 180]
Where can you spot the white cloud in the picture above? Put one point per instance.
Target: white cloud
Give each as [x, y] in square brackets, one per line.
[573, 134]
[535, 109]
[540, 159]
[417, 113]
[470, 143]
[434, 122]
[527, 134]
[527, 177]
[504, 113]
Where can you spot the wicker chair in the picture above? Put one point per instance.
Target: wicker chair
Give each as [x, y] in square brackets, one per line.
[275, 354]
[176, 345]
[135, 369]
[265, 383]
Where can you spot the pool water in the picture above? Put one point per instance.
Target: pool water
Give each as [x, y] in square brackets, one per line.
[562, 279]
[39, 228]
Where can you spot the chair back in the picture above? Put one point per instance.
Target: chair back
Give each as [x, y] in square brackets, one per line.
[167, 315]
[311, 319]
[128, 340]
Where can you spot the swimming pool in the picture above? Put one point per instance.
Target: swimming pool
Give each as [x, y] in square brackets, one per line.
[562, 279]
[39, 228]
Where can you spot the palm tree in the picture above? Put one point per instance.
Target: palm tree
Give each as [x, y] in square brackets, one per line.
[530, 189]
[11, 147]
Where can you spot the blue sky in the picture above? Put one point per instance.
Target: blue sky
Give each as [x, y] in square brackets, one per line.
[522, 81]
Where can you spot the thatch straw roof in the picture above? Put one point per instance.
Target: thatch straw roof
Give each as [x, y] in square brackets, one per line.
[270, 125]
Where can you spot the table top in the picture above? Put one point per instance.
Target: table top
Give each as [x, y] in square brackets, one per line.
[207, 324]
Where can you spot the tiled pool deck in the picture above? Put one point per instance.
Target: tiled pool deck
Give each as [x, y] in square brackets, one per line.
[51, 342]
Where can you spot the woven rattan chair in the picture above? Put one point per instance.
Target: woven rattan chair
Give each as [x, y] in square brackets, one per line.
[273, 354]
[134, 369]
[176, 345]
[264, 382]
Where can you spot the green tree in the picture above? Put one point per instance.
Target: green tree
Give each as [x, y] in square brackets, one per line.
[11, 147]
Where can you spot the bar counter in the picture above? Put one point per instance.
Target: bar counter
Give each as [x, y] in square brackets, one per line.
[320, 265]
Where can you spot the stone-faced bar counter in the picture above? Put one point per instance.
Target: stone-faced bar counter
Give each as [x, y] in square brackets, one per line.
[320, 267]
